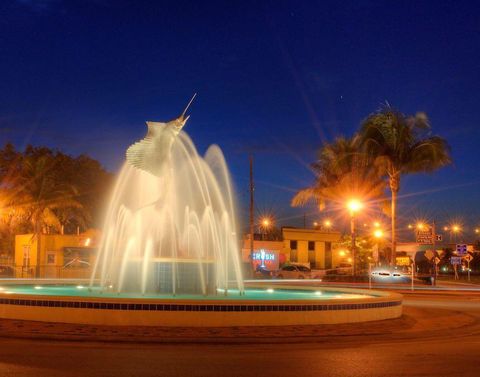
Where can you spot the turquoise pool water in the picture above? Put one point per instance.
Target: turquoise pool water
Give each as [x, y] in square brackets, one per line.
[250, 294]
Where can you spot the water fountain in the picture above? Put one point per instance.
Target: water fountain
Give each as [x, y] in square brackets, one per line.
[170, 226]
[169, 256]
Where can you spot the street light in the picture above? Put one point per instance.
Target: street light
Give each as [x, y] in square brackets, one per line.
[327, 224]
[354, 205]
[265, 224]
[378, 233]
[456, 229]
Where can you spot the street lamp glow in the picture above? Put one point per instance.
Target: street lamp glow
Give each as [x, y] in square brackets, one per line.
[376, 224]
[477, 230]
[327, 223]
[420, 226]
[410, 226]
[354, 205]
[341, 253]
[266, 223]
[456, 228]
[378, 233]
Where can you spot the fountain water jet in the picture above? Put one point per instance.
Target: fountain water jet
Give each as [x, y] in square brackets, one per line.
[170, 226]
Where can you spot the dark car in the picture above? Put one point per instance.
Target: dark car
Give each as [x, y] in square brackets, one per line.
[261, 272]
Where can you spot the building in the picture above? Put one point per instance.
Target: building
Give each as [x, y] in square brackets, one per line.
[59, 255]
[310, 247]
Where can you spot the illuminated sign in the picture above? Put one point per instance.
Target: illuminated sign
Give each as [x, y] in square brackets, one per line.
[263, 256]
[424, 236]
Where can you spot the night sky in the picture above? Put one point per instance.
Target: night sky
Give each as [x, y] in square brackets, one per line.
[274, 78]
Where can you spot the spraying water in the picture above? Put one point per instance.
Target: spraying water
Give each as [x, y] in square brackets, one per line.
[170, 226]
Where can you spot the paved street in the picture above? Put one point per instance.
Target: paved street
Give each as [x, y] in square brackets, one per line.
[419, 350]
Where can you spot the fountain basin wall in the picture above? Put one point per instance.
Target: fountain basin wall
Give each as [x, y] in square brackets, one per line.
[202, 312]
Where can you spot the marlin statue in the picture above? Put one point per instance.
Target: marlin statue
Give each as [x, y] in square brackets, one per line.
[152, 152]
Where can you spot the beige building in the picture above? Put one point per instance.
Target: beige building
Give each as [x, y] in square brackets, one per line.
[59, 255]
[311, 247]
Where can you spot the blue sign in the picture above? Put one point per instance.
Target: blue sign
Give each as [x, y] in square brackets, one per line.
[461, 249]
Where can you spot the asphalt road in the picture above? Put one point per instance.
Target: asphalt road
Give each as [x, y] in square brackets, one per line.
[425, 353]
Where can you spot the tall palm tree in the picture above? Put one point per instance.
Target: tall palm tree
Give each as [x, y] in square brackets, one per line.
[342, 171]
[402, 144]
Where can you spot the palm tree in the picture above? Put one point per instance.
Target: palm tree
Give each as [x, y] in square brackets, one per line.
[402, 144]
[35, 191]
[342, 172]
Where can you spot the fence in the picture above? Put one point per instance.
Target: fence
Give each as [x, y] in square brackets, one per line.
[45, 272]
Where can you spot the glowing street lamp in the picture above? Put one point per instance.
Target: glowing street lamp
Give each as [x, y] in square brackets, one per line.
[265, 224]
[327, 224]
[378, 233]
[354, 205]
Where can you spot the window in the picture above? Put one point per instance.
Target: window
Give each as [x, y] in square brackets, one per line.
[311, 245]
[293, 245]
[51, 258]
[26, 255]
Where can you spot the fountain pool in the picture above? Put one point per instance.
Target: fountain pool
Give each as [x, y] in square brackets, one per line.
[273, 305]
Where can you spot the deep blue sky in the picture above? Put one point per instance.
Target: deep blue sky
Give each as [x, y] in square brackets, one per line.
[274, 78]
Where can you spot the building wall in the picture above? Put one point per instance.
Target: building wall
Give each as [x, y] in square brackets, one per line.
[317, 257]
[51, 251]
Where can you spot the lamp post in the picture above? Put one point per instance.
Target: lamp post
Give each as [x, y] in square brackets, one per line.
[456, 229]
[327, 224]
[378, 234]
[265, 225]
[353, 206]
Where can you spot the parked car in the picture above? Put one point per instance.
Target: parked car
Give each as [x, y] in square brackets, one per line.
[293, 271]
[261, 272]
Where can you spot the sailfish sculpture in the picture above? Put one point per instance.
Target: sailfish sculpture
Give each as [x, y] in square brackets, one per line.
[152, 152]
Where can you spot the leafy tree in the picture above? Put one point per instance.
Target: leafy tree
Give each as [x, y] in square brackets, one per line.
[342, 171]
[401, 144]
[43, 190]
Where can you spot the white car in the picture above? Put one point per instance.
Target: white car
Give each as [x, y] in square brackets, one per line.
[293, 271]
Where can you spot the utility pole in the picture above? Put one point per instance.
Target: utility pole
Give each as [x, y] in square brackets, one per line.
[252, 220]
[434, 239]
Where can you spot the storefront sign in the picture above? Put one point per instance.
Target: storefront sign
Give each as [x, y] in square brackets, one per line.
[263, 256]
